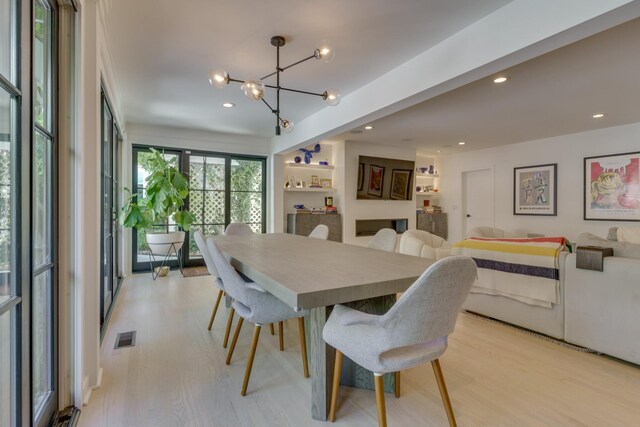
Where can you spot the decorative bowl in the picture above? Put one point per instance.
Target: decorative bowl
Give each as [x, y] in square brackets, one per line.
[424, 169]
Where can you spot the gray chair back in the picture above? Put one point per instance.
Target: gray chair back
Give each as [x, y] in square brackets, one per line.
[238, 229]
[234, 285]
[429, 308]
[202, 247]
[384, 240]
[320, 232]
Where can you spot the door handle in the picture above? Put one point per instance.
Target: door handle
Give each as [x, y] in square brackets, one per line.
[468, 216]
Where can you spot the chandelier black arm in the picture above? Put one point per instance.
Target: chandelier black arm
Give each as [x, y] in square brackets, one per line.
[289, 66]
[269, 106]
[295, 90]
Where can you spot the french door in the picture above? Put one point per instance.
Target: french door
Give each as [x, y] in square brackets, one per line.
[110, 272]
[28, 282]
[223, 188]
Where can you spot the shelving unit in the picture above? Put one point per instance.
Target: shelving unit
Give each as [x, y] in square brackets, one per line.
[309, 190]
[427, 175]
[428, 193]
[308, 166]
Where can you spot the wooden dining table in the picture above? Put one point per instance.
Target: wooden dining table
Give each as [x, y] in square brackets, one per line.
[315, 274]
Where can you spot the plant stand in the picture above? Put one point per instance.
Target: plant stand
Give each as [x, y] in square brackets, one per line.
[172, 250]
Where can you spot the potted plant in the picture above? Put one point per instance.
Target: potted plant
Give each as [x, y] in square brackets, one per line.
[166, 189]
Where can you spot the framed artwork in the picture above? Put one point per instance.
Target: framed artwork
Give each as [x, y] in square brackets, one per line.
[400, 184]
[326, 183]
[360, 176]
[315, 181]
[376, 180]
[612, 187]
[534, 190]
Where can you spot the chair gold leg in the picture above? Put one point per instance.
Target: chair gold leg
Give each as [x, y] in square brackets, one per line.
[397, 384]
[272, 329]
[382, 412]
[281, 333]
[228, 331]
[337, 371]
[234, 341]
[252, 354]
[303, 346]
[215, 309]
[443, 392]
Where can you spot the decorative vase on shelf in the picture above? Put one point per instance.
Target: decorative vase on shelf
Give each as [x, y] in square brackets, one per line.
[307, 160]
[297, 159]
[431, 169]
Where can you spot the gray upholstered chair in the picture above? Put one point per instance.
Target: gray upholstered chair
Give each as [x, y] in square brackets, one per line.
[384, 240]
[238, 229]
[320, 232]
[202, 247]
[254, 304]
[412, 332]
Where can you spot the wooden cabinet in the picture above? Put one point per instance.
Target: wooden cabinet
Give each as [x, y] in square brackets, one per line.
[434, 223]
[303, 224]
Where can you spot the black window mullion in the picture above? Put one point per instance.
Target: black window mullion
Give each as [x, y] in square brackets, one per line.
[227, 191]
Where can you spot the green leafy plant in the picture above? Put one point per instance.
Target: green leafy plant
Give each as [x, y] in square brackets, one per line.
[163, 198]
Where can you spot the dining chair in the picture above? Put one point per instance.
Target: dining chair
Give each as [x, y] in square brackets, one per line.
[255, 305]
[414, 331]
[384, 240]
[202, 247]
[238, 229]
[320, 232]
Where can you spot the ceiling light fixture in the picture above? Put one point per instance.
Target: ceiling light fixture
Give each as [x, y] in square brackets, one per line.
[368, 127]
[228, 104]
[501, 79]
[598, 115]
[461, 143]
[254, 88]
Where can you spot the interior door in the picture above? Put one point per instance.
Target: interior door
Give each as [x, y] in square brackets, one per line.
[479, 199]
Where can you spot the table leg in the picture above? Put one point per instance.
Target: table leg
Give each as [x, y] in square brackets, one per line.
[321, 359]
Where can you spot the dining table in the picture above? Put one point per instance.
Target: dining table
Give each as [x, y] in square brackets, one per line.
[313, 274]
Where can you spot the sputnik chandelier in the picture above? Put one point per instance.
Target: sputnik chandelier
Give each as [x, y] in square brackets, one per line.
[254, 89]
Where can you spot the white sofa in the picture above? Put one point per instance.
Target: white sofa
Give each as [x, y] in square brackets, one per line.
[423, 244]
[602, 309]
[490, 233]
[548, 321]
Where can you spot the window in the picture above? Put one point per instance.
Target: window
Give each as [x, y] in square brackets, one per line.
[223, 188]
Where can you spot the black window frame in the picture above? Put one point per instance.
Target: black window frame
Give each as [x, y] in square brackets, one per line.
[183, 161]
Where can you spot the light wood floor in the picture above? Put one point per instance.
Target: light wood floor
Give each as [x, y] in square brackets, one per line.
[497, 376]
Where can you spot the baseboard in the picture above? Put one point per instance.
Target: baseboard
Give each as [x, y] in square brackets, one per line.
[87, 388]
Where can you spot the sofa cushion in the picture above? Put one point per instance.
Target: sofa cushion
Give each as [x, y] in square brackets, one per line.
[620, 249]
[423, 244]
[628, 234]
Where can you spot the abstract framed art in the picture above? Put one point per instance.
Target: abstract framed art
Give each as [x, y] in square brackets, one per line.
[376, 181]
[534, 190]
[612, 187]
[400, 184]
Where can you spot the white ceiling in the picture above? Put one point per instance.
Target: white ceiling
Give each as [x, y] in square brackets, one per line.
[163, 50]
[554, 94]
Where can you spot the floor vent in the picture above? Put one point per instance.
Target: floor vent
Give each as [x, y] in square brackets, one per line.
[125, 339]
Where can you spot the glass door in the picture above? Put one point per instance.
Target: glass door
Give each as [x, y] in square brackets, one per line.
[110, 277]
[207, 199]
[142, 258]
[43, 197]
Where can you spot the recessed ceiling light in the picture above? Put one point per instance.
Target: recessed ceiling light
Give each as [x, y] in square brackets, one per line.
[438, 151]
[228, 104]
[598, 115]
[461, 143]
[368, 127]
[501, 79]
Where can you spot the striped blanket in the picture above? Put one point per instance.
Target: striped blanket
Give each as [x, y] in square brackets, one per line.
[522, 269]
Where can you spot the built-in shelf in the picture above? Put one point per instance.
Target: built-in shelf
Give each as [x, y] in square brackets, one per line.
[308, 166]
[428, 193]
[310, 190]
[427, 175]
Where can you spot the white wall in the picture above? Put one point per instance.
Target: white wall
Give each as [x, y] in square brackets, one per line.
[370, 209]
[567, 151]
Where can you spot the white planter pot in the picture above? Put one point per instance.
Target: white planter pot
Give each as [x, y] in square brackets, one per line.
[160, 243]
